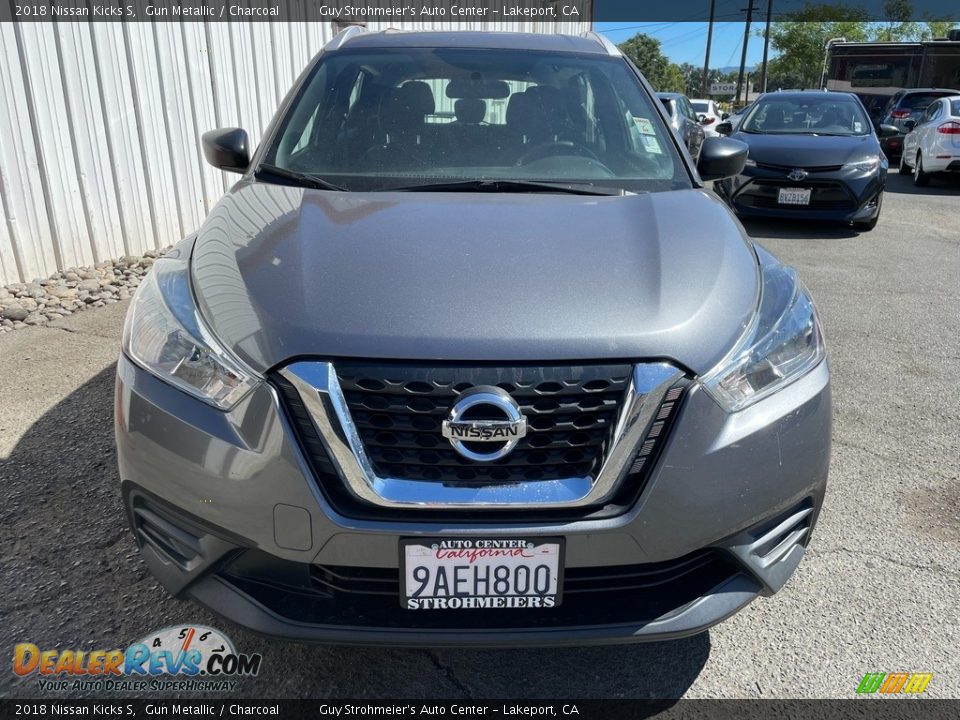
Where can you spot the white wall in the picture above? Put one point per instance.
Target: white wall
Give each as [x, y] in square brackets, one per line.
[100, 126]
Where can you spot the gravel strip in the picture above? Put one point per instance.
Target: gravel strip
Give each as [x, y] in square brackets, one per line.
[71, 291]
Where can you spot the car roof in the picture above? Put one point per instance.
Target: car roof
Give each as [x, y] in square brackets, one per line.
[807, 94]
[392, 38]
[945, 91]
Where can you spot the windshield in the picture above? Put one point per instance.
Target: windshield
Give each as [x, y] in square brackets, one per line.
[955, 107]
[403, 118]
[700, 107]
[841, 115]
[918, 102]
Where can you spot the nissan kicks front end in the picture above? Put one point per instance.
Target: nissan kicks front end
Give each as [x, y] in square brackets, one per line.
[470, 356]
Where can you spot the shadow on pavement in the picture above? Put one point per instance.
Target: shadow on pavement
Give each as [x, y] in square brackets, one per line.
[73, 579]
[939, 184]
[792, 229]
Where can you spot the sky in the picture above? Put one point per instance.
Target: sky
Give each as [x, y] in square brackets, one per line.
[687, 41]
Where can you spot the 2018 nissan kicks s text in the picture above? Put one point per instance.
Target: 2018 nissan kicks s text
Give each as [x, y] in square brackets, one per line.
[470, 356]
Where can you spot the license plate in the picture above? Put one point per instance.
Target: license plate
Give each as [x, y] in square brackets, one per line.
[480, 573]
[794, 196]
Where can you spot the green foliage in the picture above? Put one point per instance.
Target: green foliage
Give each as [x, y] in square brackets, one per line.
[799, 42]
[646, 54]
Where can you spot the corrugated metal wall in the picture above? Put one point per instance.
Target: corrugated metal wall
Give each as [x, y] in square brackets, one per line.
[100, 126]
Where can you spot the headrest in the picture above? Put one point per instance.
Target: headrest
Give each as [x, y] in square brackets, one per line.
[516, 106]
[774, 118]
[470, 110]
[524, 114]
[417, 96]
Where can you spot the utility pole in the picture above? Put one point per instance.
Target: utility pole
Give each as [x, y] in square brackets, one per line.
[743, 55]
[706, 59]
[766, 48]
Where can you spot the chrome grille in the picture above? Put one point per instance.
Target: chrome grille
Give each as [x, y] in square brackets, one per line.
[398, 409]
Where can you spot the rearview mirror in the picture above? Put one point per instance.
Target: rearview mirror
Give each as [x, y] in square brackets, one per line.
[889, 130]
[724, 128]
[227, 149]
[721, 157]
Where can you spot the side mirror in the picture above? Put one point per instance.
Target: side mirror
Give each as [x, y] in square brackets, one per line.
[227, 149]
[724, 128]
[721, 157]
[701, 118]
[908, 124]
[725, 116]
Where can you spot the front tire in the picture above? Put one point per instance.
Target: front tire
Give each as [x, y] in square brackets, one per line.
[903, 168]
[920, 178]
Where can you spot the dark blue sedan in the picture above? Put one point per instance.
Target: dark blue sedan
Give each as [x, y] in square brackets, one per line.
[812, 155]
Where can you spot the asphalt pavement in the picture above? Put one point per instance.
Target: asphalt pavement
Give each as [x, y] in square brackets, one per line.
[879, 589]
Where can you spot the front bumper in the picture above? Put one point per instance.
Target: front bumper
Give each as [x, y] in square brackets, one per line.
[835, 196]
[226, 511]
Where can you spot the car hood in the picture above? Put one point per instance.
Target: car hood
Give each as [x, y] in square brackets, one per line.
[283, 272]
[808, 150]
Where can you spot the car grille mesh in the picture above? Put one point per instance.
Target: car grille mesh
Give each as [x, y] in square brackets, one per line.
[398, 410]
[599, 579]
[825, 195]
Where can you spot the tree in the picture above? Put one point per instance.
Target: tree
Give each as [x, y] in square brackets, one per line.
[646, 54]
[899, 26]
[800, 41]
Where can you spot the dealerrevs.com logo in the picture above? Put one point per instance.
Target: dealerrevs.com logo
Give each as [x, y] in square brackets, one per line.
[191, 658]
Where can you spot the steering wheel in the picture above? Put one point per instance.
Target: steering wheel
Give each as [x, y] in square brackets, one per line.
[555, 147]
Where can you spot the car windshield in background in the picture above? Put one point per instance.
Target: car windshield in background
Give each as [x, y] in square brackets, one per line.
[919, 101]
[955, 107]
[411, 118]
[700, 107]
[807, 116]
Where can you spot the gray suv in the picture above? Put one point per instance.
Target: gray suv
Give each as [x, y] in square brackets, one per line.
[470, 355]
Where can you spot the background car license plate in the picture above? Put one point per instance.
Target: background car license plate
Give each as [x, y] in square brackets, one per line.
[794, 196]
[480, 573]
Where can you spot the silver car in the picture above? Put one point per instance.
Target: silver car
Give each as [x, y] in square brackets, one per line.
[470, 355]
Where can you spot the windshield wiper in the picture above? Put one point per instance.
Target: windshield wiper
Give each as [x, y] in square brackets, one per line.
[494, 186]
[273, 172]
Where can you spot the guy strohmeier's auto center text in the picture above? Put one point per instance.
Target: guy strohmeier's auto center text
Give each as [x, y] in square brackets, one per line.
[278, 9]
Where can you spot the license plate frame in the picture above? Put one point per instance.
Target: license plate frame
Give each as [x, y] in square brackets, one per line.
[794, 196]
[432, 543]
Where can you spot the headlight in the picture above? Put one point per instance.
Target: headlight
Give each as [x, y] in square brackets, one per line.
[863, 166]
[165, 334]
[784, 342]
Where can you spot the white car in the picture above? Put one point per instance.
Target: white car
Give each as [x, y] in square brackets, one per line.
[933, 143]
[711, 116]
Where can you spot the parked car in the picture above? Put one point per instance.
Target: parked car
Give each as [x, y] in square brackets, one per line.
[684, 121]
[709, 115]
[515, 378]
[903, 107]
[812, 155]
[932, 144]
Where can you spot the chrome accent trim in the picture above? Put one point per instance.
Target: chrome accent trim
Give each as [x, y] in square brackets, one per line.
[515, 423]
[319, 388]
